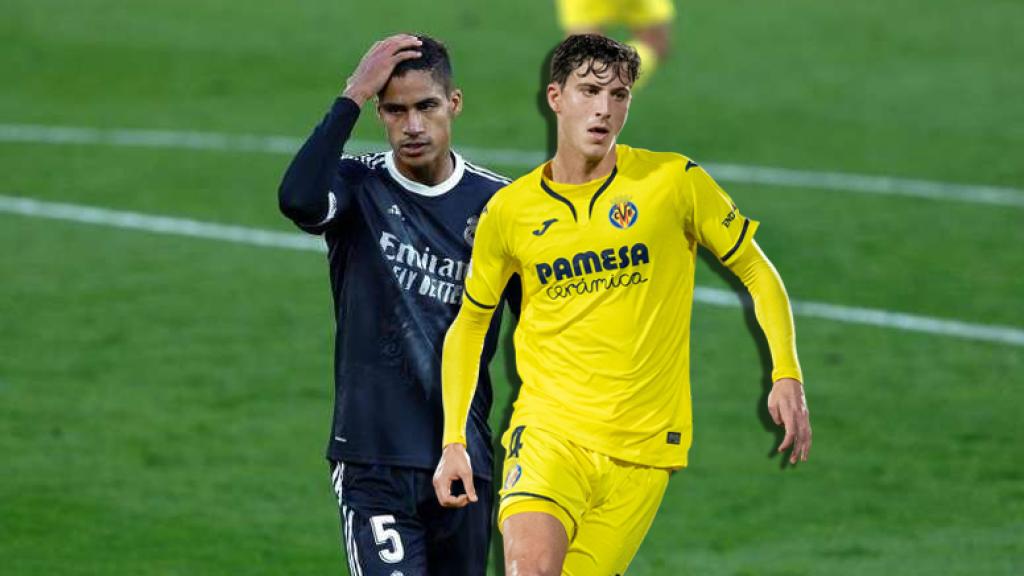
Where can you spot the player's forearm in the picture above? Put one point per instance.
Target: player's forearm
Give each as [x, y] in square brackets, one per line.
[771, 306]
[304, 192]
[460, 369]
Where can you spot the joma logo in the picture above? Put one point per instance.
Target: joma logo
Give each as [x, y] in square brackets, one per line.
[728, 219]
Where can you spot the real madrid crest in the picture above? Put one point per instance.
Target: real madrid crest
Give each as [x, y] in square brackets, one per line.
[469, 234]
[623, 213]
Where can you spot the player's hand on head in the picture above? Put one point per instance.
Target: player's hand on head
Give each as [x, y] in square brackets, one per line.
[788, 407]
[454, 465]
[375, 68]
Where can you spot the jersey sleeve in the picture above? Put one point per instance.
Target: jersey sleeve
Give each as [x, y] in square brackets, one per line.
[318, 187]
[489, 271]
[460, 368]
[714, 220]
[491, 263]
[772, 309]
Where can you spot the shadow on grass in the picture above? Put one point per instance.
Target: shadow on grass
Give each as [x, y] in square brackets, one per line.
[763, 353]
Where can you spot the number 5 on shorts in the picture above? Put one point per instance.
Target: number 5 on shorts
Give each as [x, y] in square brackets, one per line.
[387, 536]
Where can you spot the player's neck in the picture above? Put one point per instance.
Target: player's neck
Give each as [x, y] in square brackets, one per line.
[570, 166]
[430, 174]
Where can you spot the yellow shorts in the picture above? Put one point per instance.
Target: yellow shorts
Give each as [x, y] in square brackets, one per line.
[575, 15]
[606, 505]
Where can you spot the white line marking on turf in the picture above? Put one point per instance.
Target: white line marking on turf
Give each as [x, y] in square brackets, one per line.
[159, 224]
[297, 241]
[881, 318]
[764, 175]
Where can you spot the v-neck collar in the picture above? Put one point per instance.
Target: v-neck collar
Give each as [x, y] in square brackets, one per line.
[593, 199]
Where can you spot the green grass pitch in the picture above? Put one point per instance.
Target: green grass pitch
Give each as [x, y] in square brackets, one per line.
[164, 401]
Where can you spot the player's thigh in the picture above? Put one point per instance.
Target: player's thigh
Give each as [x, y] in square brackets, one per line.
[458, 539]
[381, 530]
[544, 473]
[647, 13]
[611, 533]
[534, 543]
[380, 544]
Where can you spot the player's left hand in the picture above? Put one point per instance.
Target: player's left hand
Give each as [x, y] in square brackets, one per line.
[454, 465]
[788, 407]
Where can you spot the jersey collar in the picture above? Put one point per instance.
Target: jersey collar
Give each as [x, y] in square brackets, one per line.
[423, 189]
[593, 199]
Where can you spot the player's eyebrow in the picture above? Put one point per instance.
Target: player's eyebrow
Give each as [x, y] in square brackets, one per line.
[425, 101]
[392, 106]
[399, 106]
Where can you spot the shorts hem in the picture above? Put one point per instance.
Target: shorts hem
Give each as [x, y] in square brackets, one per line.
[519, 502]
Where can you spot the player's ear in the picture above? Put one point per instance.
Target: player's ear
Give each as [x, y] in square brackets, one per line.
[555, 97]
[455, 101]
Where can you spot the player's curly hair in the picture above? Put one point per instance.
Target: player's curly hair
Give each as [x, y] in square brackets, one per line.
[433, 58]
[599, 54]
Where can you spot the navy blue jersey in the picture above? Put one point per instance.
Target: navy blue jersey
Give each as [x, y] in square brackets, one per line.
[398, 252]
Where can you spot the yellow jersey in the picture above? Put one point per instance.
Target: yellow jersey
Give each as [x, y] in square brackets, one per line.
[607, 267]
[575, 15]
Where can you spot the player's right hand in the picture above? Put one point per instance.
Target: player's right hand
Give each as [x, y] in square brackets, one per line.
[375, 68]
[454, 465]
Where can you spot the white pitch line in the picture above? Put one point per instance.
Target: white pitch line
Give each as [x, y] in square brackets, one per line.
[297, 241]
[875, 317]
[158, 224]
[737, 173]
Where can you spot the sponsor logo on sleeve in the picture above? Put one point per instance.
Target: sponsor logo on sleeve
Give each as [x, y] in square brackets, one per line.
[729, 217]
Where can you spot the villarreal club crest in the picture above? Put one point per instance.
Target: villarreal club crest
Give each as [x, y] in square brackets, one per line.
[623, 213]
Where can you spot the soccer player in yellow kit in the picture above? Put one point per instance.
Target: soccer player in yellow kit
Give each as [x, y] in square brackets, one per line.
[604, 238]
[649, 22]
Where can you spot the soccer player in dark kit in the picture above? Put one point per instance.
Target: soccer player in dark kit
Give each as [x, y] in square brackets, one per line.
[399, 227]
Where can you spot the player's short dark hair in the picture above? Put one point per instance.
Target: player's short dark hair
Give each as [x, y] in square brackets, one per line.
[599, 53]
[433, 58]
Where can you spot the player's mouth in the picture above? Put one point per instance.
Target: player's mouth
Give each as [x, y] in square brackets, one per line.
[414, 148]
[599, 133]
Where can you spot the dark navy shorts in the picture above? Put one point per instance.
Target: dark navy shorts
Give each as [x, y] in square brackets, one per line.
[392, 525]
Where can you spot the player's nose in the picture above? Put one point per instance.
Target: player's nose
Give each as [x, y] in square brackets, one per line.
[415, 125]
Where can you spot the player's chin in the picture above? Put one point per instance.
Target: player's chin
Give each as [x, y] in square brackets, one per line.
[596, 150]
